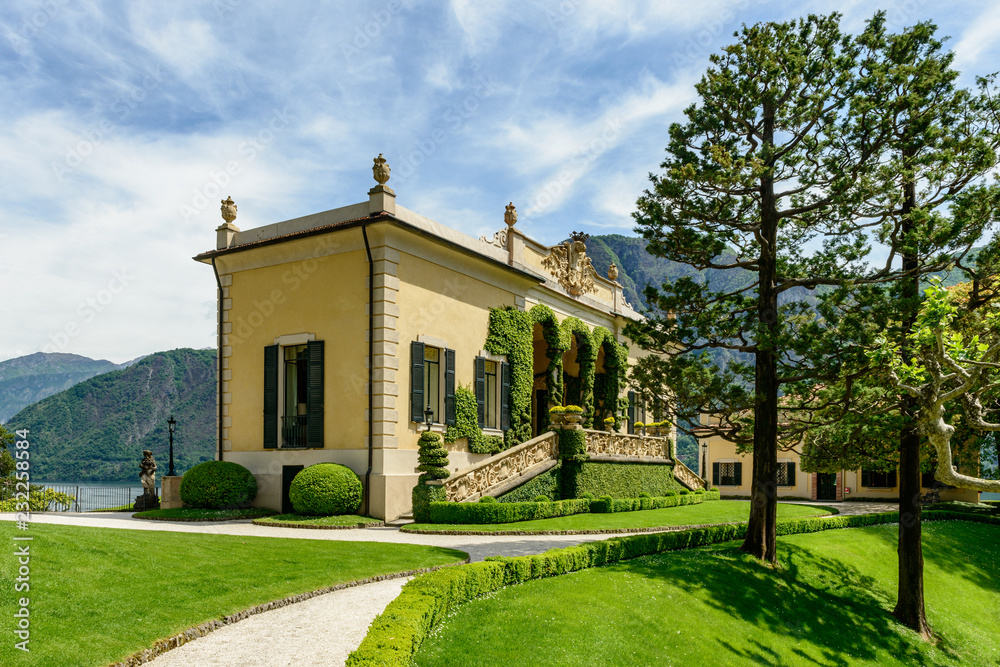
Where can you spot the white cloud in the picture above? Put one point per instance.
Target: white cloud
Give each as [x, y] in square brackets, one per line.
[978, 40]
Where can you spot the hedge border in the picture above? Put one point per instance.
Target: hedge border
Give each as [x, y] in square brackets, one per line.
[313, 526]
[496, 513]
[396, 635]
[161, 646]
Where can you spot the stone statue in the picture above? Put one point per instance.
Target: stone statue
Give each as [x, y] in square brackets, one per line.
[228, 209]
[510, 217]
[613, 272]
[147, 475]
[380, 170]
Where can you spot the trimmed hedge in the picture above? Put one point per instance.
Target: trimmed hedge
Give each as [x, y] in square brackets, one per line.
[489, 513]
[396, 635]
[325, 489]
[626, 480]
[218, 485]
[546, 483]
[422, 496]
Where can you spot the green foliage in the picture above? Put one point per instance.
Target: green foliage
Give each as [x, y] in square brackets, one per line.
[422, 496]
[487, 499]
[613, 379]
[626, 480]
[396, 635]
[543, 507]
[218, 485]
[432, 457]
[39, 500]
[326, 489]
[467, 425]
[510, 334]
[547, 483]
[199, 514]
[558, 342]
[572, 444]
[97, 429]
[586, 356]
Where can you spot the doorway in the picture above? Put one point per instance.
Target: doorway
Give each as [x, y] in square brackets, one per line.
[826, 486]
[288, 473]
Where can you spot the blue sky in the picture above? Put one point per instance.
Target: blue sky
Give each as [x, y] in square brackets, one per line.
[125, 123]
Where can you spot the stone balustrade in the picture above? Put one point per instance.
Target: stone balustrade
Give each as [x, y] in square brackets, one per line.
[504, 470]
[687, 477]
[607, 443]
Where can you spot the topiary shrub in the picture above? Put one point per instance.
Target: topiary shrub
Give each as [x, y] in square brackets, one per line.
[432, 457]
[542, 499]
[487, 499]
[218, 485]
[326, 489]
[422, 496]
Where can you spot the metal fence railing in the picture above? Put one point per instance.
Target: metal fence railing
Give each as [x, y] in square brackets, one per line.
[77, 497]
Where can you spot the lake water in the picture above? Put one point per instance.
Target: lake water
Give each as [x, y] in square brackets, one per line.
[989, 496]
[98, 495]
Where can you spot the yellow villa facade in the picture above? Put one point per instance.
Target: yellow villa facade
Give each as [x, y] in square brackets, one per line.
[732, 473]
[341, 330]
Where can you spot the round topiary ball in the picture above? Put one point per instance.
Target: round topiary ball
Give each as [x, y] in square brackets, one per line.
[218, 485]
[487, 499]
[326, 489]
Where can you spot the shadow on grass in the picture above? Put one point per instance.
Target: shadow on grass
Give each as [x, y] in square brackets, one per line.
[819, 610]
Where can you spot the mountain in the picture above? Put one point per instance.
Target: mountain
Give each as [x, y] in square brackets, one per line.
[31, 378]
[97, 429]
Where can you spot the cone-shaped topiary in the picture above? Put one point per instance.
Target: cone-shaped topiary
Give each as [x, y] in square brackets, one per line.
[432, 457]
[325, 489]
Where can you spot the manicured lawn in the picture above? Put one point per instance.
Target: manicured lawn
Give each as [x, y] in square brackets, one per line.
[98, 595]
[714, 511]
[829, 603]
[302, 520]
[196, 513]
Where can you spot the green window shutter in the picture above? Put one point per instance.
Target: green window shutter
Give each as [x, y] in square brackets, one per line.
[738, 473]
[631, 414]
[417, 381]
[866, 477]
[504, 397]
[449, 387]
[791, 473]
[314, 395]
[481, 390]
[715, 474]
[270, 397]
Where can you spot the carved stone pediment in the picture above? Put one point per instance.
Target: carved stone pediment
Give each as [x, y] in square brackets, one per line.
[571, 267]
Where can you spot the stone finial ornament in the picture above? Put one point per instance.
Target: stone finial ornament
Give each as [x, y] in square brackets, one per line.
[613, 272]
[228, 209]
[510, 216]
[380, 170]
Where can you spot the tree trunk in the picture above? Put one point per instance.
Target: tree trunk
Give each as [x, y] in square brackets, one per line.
[910, 591]
[761, 535]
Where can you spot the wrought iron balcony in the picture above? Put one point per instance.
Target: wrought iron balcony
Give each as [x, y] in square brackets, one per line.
[293, 432]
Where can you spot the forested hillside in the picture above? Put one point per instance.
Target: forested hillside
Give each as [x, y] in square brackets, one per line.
[31, 378]
[97, 429]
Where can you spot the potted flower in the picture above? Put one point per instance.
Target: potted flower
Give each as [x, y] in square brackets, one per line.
[609, 423]
[640, 428]
[652, 428]
[573, 415]
[556, 415]
[665, 428]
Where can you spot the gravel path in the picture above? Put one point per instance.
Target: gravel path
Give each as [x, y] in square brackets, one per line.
[325, 629]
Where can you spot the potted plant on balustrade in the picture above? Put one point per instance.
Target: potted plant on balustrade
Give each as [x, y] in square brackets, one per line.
[640, 428]
[653, 428]
[573, 415]
[609, 424]
[556, 416]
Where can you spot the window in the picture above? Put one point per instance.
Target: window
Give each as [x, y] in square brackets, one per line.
[878, 479]
[727, 473]
[786, 473]
[493, 393]
[432, 369]
[293, 394]
[928, 481]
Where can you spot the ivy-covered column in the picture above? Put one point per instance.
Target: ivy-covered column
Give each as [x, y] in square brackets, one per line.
[572, 454]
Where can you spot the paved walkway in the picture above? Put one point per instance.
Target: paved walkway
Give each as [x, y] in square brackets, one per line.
[325, 629]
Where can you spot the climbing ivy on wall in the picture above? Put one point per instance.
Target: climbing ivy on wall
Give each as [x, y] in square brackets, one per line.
[615, 369]
[510, 334]
[558, 341]
[467, 425]
[586, 356]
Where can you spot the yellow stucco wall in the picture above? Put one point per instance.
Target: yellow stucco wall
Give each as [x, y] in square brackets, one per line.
[324, 296]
